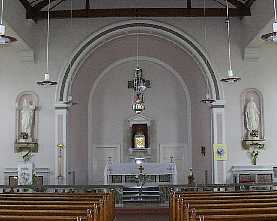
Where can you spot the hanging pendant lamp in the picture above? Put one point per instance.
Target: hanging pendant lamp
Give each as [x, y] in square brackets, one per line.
[4, 39]
[47, 81]
[272, 36]
[231, 78]
[207, 99]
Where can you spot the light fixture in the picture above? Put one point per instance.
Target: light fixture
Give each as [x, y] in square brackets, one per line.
[4, 39]
[272, 36]
[47, 81]
[139, 85]
[231, 78]
[139, 160]
[207, 99]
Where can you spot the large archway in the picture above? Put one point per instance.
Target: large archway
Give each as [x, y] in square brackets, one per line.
[183, 40]
[119, 32]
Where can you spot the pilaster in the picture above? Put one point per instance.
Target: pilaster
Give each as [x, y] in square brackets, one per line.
[218, 129]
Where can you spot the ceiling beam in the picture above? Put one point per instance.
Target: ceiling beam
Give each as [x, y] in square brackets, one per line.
[57, 4]
[249, 3]
[39, 6]
[142, 12]
[26, 4]
[237, 4]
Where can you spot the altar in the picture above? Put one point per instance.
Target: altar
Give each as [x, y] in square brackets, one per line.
[253, 174]
[127, 173]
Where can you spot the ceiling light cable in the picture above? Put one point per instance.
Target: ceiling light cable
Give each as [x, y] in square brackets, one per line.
[47, 42]
[230, 75]
[229, 35]
[275, 11]
[2, 11]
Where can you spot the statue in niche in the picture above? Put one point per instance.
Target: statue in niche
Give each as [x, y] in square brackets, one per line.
[27, 108]
[252, 119]
[27, 120]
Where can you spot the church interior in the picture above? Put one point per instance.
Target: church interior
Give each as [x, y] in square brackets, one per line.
[138, 109]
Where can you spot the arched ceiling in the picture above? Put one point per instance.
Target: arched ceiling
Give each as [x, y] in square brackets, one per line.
[125, 47]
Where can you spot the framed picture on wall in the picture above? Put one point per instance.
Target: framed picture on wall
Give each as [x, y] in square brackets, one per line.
[220, 152]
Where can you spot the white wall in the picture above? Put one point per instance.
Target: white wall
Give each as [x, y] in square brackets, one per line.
[16, 77]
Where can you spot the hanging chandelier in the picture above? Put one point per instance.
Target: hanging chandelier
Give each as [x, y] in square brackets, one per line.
[231, 78]
[272, 36]
[207, 99]
[47, 81]
[4, 39]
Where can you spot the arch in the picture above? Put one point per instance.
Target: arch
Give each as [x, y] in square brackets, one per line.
[184, 41]
[171, 71]
[167, 32]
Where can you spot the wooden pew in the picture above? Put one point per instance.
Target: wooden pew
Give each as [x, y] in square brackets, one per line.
[108, 199]
[68, 206]
[213, 205]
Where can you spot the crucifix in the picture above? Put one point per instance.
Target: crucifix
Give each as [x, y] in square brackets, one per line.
[171, 159]
[139, 84]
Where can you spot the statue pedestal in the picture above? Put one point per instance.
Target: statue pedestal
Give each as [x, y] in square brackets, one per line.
[253, 143]
[253, 147]
[24, 146]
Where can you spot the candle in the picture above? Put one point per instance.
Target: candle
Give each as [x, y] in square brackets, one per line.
[2, 29]
[46, 77]
[230, 73]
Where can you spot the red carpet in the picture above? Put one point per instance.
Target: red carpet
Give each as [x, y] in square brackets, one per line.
[142, 214]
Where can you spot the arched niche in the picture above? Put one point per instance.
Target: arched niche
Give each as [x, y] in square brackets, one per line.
[247, 96]
[27, 141]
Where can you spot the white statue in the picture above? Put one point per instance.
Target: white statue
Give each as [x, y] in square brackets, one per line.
[27, 115]
[252, 116]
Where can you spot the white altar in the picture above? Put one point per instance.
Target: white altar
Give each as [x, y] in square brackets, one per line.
[126, 173]
[253, 174]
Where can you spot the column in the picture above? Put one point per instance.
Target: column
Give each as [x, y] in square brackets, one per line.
[61, 114]
[218, 129]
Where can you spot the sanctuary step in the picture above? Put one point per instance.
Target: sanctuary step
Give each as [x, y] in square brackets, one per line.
[141, 194]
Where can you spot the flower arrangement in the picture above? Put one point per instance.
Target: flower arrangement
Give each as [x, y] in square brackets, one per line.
[254, 155]
[254, 152]
[28, 156]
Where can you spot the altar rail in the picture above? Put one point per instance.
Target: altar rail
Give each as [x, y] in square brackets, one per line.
[164, 189]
